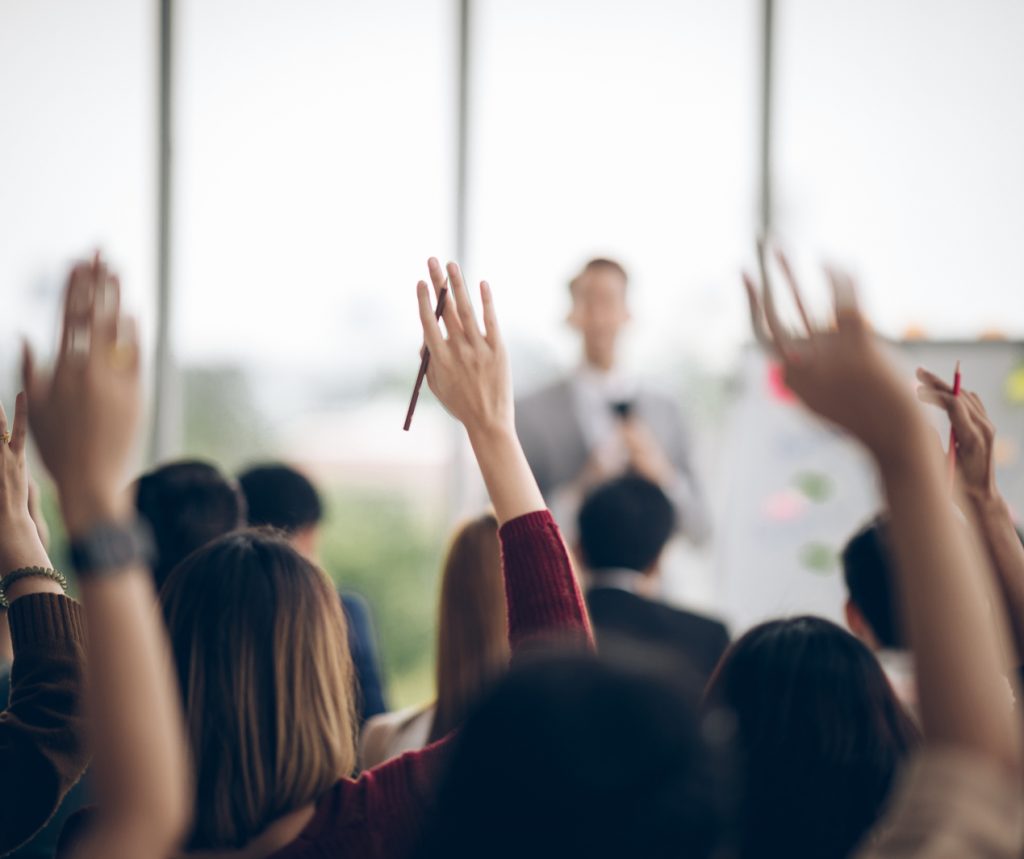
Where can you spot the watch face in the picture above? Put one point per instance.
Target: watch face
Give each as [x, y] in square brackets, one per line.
[110, 548]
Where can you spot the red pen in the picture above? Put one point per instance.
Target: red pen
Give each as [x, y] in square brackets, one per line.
[952, 432]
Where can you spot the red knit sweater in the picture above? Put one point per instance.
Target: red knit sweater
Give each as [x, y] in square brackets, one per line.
[379, 814]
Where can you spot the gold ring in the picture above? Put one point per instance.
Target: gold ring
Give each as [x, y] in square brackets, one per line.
[5, 437]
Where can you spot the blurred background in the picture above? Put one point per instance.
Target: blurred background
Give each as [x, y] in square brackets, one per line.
[271, 177]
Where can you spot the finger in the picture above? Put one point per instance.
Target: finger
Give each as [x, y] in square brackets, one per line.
[933, 381]
[844, 298]
[106, 308]
[757, 314]
[3, 421]
[33, 380]
[431, 330]
[978, 406]
[491, 330]
[955, 408]
[787, 273]
[978, 413]
[19, 430]
[28, 366]
[780, 336]
[125, 354]
[77, 311]
[439, 279]
[462, 302]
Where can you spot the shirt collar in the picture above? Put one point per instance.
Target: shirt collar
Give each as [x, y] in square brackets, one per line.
[617, 578]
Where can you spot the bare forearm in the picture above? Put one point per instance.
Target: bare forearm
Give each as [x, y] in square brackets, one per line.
[1006, 553]
[510, 482]
[140, 761]
[960, 671]
[139, 745]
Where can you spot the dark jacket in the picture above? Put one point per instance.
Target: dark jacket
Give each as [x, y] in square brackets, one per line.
[620, 614]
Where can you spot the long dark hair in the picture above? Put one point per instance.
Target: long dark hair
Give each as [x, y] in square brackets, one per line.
[472, 640]
[260, 645]
[820, 735]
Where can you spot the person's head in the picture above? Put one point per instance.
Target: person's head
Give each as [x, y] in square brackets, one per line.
[263, 662]
[820, 733]
[282, 497]
[624, 524]
[599, 310]
[576, 755]
[186, 504]
[872, 612]
[472, 646]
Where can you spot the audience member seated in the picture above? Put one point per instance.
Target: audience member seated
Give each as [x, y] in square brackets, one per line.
[281, 497]
[578, 756]
[871, 611]
[820, 733]
[187, 504]
[472, 647]
[623, 527]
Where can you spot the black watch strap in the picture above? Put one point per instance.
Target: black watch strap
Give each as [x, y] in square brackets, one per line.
[111, 547]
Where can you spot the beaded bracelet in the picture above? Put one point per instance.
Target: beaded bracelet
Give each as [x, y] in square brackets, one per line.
[29, 572]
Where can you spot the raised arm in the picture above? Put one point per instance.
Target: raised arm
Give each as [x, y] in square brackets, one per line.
[84, 418]
[842, 374]
[470, 374]
[976, 437]
[42, 744]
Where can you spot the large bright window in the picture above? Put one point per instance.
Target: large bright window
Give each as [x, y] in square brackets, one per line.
[77, 158]
[615, 129]
[900, 128]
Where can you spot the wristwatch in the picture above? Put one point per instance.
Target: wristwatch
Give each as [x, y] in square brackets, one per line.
[111, 547]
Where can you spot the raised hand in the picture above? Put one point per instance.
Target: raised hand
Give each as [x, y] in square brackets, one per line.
[469, 370]
[975, 433]
[84, 415]
[839, 372]
[470, 374]
[20, 543]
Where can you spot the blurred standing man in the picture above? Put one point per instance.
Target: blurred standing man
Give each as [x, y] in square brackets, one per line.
[600, 422]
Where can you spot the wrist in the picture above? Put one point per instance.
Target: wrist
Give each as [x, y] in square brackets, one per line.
[986, 500]
[86, 508]
[20, 546]
[491, 434]
[906, 440]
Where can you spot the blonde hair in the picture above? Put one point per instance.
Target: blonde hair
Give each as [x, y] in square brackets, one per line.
[266, 677]
[472, 647]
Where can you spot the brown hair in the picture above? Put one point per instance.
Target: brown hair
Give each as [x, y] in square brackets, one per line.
[597, 264]
[260, 644]
[472, 650]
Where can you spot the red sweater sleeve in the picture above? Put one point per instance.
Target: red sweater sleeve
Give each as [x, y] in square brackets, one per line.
[543, 595]
[381, 813]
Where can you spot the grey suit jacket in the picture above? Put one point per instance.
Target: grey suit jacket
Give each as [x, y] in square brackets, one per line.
[557, 450]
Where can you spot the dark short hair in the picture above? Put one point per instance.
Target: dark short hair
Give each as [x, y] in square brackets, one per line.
[597, 264]
[870, 581]
[187, 504]
[820, 733]
[281, 497]
[625, 767]
[625, 523]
